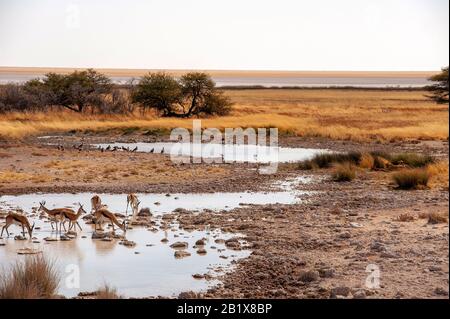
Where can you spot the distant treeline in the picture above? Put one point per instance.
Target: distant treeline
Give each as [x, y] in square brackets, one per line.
[193, 94]
[89, 91]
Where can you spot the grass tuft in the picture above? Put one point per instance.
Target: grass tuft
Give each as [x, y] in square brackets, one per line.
[33, 278]
[107, 292]
[344, 173]
[411, 178]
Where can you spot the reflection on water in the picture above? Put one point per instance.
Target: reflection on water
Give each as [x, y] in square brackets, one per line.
[149, 268]
[229, 153]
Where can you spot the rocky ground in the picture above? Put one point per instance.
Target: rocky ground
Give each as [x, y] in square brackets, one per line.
[329, 246]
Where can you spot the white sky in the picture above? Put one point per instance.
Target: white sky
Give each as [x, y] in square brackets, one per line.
[227, 34]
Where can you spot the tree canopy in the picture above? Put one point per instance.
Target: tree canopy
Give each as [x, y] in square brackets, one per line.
[195, 93]
[440, 88]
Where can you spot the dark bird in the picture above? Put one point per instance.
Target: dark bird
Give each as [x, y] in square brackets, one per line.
[101, 149]
[162, 151]
[108, 148]
[135, 149]
[152, 150]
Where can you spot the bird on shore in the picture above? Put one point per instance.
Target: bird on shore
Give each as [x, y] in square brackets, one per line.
[108, 148]
[152, 150]
[162, 151]
[135, 149]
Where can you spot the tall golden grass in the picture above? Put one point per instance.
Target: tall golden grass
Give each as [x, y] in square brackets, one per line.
[33, 278]
[336, 114]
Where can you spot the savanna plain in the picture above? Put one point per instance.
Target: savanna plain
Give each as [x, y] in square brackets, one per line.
[369, 220]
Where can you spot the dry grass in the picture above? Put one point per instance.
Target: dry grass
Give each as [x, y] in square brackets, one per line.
[336, 114]
[411, 178]
[33, 278]
[345, 172]
[435, 217]
[439, 174]
[107, 292]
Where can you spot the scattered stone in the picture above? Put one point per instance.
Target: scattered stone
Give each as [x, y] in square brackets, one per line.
[107, 239]
[440, 291]
[200, 242]
[164, 240]
[198, 276]
[201, 251]
[359, 294]
[128, 243]
[50, 239]
[345, 235]
[356, 225]
[340, 291]
[145, 212]
[28, 251]
[20, 237]
[308, 276]
[99, 235]
[181, 254]
[180, 245]
[326, 272]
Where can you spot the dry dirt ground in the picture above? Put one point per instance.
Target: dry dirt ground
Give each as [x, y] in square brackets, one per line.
[328, 246]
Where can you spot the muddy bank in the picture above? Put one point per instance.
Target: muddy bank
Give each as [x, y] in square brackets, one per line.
[326, 247]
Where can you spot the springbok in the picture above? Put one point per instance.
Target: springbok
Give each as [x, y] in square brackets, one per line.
[133, 202]
[103, 214]
[73, 218]
[56, 215]
[20, 220]
[96, 203]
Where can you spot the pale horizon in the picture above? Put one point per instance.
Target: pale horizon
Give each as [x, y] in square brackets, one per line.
[298, 36]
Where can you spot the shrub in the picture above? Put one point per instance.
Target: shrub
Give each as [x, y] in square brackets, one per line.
[325, 160]
[437, 218]
[33, 278]
[411, 178]
[367, 161]
[411, 159]
[344, 173]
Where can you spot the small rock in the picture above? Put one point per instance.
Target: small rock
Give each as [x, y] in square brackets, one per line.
[19, 237]
[201, 251]
[180, 245]
[50, 239]
[440, 291]
[359, 294]
[164, 240]
[340, 291]
[128, 243]
[198, 276]
[309, 276]
[145, 212]
[200, 242]
[181, 254]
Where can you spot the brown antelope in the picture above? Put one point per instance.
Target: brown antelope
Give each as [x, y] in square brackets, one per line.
[96, 203]
[56, 215]
[103, 214]
[20, 220]
[73, 218]
[133, 202]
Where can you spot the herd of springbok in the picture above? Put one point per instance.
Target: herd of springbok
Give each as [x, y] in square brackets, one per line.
[59, 216]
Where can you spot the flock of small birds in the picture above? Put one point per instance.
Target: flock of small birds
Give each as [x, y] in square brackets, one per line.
[79, 147]
[117, 148]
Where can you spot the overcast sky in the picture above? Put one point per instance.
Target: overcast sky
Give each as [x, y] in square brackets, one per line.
[228, 34]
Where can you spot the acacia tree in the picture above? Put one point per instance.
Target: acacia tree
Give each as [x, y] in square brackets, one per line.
[441, 87]
[74, 91]
[194, 94]
[159, 91]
